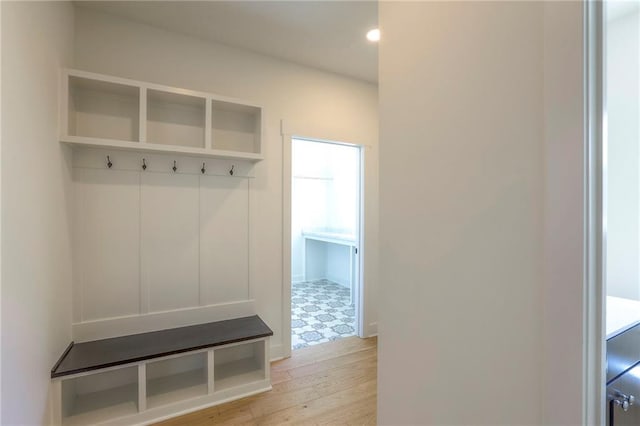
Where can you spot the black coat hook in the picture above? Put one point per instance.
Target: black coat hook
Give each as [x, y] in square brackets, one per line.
[203, 169]
[231, 171]
[109, 163]
[144, 164]
[175, 168]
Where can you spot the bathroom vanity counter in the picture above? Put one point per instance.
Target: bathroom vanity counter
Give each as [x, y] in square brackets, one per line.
[330, 237]
[622, 314]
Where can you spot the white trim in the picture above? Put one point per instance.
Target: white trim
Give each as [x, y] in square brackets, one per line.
[360, 296]
[286, 242]
[373, 329]
[135, 324]
[360, 305]
[594, 357]
[151, 147]
[277, 352]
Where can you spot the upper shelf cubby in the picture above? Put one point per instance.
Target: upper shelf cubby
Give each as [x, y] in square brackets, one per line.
[102, 109]
[111, 112]
[175, 119]
[235, 127]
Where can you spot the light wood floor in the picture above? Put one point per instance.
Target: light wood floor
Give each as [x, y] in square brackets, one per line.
[329, 384]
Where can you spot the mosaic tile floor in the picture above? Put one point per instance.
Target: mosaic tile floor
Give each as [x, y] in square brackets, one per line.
[320, 312]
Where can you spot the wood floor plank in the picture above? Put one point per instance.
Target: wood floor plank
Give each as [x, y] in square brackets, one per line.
[329, 384]
[350, 414]
[279, 377]
[302, 413]
[345, 371]
[331, 363]
[276, 402]
[311, 354]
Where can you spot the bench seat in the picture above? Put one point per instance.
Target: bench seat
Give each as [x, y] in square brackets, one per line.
[99, 354]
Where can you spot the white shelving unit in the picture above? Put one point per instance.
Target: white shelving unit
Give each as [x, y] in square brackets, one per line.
[159, 388]
[175, 119]
[101, 109]
[176, 379]
[111, 112]
[92, 399]
[235, 365]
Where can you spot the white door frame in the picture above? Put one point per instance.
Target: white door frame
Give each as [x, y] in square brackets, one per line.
[594, 347]
[360, 302]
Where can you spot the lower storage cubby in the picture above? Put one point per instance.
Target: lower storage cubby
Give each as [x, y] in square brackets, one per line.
[239, 365]
[176, 379]
[98, 397]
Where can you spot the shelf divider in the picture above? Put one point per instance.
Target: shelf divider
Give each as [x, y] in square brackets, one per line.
[210, 372]
[208, 143]
[142, 387]
[142, 137]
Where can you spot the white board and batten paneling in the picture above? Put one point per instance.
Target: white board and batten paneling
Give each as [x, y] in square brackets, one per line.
[161, 218]
[169, 241]
[224, 243]
[107, 244]
[158, 248]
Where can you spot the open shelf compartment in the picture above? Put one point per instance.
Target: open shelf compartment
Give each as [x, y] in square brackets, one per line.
[175, 119]
[99, 397]
[103, 110]
[236, 127]
[239, 365]
[176, 379]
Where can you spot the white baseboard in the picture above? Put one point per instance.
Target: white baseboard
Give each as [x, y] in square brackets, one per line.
[372, 329]
[339, 280]
[276, 352]
[297, 279]
[135, 324]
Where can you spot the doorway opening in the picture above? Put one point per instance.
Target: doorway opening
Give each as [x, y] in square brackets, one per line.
[620, 230]
[326, 208]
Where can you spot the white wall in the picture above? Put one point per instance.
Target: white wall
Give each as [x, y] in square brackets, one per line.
[461, 213]
[623, 155]
[37, 39]
[494, 279]
[564, 192]
[315, 104]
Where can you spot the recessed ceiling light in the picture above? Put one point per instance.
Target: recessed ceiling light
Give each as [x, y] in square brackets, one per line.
[373, 35]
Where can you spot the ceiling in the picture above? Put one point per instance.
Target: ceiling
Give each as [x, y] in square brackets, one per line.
[329, 35]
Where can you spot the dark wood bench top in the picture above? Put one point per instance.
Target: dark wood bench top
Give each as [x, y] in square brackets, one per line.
[98, 354]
